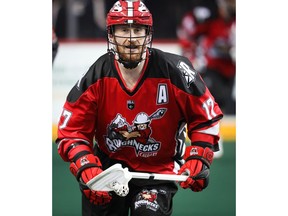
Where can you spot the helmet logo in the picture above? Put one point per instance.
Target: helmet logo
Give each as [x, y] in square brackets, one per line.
[117, 7]
[142, 8]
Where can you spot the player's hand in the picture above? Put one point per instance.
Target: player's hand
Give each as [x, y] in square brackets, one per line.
[95, 197]
[198, 161]
[84, 169]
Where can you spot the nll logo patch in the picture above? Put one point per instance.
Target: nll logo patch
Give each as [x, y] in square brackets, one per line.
[130, 104]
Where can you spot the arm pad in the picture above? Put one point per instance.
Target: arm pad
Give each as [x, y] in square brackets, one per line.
[83, 163]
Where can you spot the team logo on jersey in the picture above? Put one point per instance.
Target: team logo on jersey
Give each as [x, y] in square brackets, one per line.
[188, 73]
[121, 134]
[147, 198]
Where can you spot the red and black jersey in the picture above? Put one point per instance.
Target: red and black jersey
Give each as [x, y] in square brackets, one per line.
[208, 43]
[143, 127]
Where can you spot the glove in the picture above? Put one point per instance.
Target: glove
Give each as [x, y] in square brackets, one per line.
[197, 165]
[95, 197]
[84, 169]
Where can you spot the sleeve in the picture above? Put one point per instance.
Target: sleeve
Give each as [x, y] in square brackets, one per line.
[201, 111]
[77, 122]
[203, 128]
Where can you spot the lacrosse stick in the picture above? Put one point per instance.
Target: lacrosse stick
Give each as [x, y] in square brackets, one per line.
[116, 179]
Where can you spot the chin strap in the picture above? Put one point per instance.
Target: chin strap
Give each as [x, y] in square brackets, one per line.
[129, 65]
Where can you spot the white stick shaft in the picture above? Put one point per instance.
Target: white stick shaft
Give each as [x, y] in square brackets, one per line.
[155, 176]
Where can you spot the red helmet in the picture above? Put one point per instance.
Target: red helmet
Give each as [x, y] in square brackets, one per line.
[129, 11]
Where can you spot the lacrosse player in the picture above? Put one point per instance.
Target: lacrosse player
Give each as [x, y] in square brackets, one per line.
[133, 106]
[207, 38]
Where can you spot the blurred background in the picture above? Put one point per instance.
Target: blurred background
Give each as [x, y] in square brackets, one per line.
[203, 31]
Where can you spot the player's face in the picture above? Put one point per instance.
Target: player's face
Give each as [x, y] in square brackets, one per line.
[129, 40]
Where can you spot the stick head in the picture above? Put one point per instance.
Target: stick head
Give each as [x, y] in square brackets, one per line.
[120, 189]
[115, 178]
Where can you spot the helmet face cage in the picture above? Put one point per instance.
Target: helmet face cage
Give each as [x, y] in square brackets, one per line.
[129, 60]
[132, 14]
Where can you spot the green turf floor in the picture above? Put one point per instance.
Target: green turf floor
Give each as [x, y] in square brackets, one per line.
[218, 199]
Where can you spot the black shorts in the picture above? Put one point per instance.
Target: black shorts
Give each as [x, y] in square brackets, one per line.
[145, 197]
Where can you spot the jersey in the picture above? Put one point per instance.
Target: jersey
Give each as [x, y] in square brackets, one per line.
[208, 43]
[145, 127]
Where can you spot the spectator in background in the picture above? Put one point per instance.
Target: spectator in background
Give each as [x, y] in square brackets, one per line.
[83, 19]
[167, 14]
[207, 38]
[77, 19]
[55, 45]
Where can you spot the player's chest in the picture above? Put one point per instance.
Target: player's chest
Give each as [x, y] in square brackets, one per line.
[148, 97]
